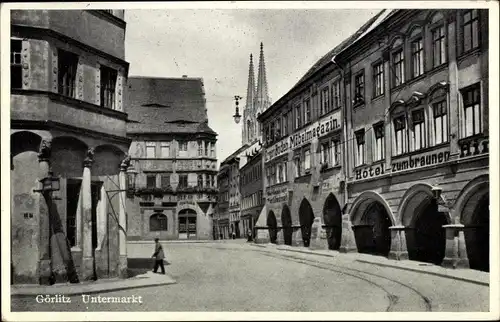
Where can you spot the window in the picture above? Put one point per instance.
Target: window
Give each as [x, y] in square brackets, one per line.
[278, 128]
[183, 180]
[183, 147]
[200, 180]
[67, 66]
[297, 117]
[470, 31]
[268, 134]
[296, 162]
[285, 171]
[307, 159]
[151, 181]
[438, 46]
[307, 111]
[150, 150]
[212, 180]
[440, 122]
[417, 56]
[212, 149]
[359, 88]
[108, 87]
[272, 132]
[378, 79]
[165, 149]
[400, 135]
[16, 70]
[284, 125]
[472, 111]
[165, 180]
[325, 153]
[360, 147]
[336, 95]
[207, 180]
[379, 142]
[399, 68]
[325, 101]
[158, 222]
[336, 152]
[280, 173]
[418, 119]
[200, 148]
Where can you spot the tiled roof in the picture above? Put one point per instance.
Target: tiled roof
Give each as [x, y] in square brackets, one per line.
[166, 105]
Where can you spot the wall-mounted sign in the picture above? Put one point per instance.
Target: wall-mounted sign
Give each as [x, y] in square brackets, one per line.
[402, 164]
[318, 129]
[277, 194]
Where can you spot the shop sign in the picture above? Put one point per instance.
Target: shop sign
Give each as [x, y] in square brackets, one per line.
[278, 194]
[407, 163]
[318, 129]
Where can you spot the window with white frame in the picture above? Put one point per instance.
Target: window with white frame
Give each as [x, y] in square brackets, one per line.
[325, 153]
[378, 79]
[16, 69]
[307, 159]
[470, 29]
[419, 133]
[307, 111]
[440, 122]
[150, 149]
[417, 57]
[165, 149]
[438, 46]
[472, 110]
[336, 98]
[298, 117]
[108, 86]
[400, 140]
[183, 148]
[325, 100]
[297, 166]
[398, 67]
[212, 149]
[360, 147]
[379, 146]
[336, 152]
[200, 148]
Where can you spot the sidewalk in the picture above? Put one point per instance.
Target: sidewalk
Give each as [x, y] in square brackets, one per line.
[467, 275]
[106, 285]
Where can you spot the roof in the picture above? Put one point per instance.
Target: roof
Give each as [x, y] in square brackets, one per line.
[166, 105]
[235, 154]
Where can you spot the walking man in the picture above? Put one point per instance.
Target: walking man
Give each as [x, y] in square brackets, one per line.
[159, 256]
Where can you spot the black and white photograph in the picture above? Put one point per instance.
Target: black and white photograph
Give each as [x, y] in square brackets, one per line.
[250, 160]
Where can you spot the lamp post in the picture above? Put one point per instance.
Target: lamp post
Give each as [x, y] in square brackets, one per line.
[237, 116]
[131, 177]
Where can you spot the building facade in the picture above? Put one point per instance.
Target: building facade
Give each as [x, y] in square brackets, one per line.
[174, 152]
[412, 127]
[68, 125]
[417, 121]
[251, 186]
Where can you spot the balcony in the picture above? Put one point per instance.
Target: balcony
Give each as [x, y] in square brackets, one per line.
[473, 145]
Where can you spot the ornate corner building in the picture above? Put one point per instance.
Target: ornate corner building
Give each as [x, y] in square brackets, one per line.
[68, 125]
[382, 147]
[174, 152]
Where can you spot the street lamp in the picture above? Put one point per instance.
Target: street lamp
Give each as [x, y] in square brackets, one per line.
[131, 176]
[237, 116]
[49, 183]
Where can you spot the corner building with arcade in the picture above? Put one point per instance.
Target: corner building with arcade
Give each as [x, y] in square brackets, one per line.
[413, 177]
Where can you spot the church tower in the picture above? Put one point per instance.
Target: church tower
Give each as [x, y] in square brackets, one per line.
[257, 101]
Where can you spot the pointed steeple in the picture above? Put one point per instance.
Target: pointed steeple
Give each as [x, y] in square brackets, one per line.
[262, 101]
[251, 87]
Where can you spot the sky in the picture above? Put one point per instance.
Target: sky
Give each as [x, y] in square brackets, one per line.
[216, 46]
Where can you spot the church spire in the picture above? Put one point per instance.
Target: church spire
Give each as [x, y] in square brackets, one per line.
[262, 96]
[251, 87]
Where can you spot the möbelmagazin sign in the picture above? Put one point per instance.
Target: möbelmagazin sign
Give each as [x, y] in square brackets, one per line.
[317, 129]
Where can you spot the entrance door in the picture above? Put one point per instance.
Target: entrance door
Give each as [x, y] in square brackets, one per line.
[73, 188]
[187, 224]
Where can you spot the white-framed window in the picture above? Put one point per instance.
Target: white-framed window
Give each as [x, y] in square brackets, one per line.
[440, 122]
[165, 149]
[183, 147]
[419, 131]
[336, 152]
[150, 149]
[307, 159]
[360, 147]
[325, 153]
[200, 148]
[472, 110]
[108, 86]
[400, 137]
[325, 100]
[336, 97]
[379, 146]
[399, 67]
[378, 79]
[417, 57]
[297, 166]
[16, 69]
[438, 46]
[212, 149]
[307, 110]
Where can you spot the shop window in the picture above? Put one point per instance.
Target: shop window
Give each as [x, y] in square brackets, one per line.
[379, 146]
[67, 68]
[472, 110]
[470, 29]
[400, 138]
[378, 79]
[108, 87]
[16, 70]
[151, 150]
[158, 222]
[360, 147]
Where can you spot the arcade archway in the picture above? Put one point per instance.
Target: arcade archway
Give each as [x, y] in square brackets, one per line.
[286, 222]
[306, 218]
[272, 225]
[332, 216]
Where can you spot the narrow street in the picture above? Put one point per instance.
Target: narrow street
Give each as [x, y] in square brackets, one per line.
[235, 276]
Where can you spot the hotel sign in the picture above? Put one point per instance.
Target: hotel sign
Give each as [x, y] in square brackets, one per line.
[318, 129]
[402, 164]
[277, 194]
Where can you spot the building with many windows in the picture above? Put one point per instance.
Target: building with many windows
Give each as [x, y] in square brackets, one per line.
[251, 192]
[412, 127]
[68, 126]
[174, 152]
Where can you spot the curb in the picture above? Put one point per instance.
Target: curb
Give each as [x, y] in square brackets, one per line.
[463, 279]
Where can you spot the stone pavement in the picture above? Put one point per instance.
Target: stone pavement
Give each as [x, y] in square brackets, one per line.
[468, 275]
[105, 285]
